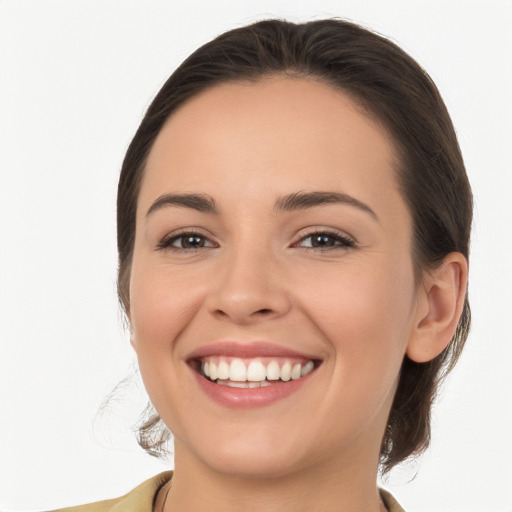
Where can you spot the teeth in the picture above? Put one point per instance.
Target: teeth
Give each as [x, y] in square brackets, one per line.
[223, 371]
[286, 372]
[238, 371]
[235, 373]
[256, 371]
[296, 371]
[307, 368]
[233, 384]
[273, 371]
[213, 371]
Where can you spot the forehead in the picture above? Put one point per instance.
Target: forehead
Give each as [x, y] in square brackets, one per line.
[271, 137]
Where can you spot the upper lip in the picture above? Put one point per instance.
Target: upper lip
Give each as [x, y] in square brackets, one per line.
[247, 350]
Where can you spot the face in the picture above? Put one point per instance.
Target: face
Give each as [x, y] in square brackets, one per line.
[272, 292]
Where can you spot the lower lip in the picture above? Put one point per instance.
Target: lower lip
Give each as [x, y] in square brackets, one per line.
[246, 398]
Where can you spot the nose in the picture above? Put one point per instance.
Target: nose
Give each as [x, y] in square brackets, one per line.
[249, 288]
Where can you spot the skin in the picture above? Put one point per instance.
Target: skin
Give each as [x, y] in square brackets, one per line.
[355, 307]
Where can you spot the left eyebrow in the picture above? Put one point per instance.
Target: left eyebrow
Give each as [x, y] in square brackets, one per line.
[304, 200]
[199, 202]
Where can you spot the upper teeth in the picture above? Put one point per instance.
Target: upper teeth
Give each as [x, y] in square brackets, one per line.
[256, 370]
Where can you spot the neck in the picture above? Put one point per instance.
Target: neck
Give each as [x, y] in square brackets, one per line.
[325, 488]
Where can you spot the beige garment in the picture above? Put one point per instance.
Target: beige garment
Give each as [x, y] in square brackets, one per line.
[141, 499]
[144, 499]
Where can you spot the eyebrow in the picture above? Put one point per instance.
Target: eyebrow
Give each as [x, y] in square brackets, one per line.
[304, 200]
[200, 202]
[292, 202]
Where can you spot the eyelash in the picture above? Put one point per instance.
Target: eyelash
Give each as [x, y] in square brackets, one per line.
[337, 241]
[340, 242]
[166, 243]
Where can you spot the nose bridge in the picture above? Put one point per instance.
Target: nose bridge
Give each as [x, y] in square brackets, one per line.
[249, 285]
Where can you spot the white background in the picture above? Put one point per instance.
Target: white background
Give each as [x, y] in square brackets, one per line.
[75, 79]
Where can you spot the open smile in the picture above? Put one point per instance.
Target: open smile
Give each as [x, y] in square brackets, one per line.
[250, 375]
[253, 373]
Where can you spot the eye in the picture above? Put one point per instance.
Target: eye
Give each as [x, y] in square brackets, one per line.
[324, 240]
[185, 242]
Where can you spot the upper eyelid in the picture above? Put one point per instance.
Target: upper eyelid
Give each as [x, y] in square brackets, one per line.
[343, 242]
[165, 241]
[335, 233]
[193, 230]
[302, 234]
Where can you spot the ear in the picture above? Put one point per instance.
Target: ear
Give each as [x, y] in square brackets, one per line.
[126, 301]
[129, 325]
[132, 338]
[440, 303]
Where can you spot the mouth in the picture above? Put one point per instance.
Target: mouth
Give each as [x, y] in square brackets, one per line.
[247, 375]
[255, 372]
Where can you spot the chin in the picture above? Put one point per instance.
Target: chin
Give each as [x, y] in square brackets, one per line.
[252, 465]
[254, 455]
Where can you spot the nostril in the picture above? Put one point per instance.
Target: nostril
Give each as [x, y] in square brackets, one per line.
[264, 311]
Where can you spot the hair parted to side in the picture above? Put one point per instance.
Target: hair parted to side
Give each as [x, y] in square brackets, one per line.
[394, 91]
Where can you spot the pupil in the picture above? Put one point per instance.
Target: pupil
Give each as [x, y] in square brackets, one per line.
[322, 241]
[193, 242]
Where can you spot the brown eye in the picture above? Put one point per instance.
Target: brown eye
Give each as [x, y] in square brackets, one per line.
[189, 242]
[325, 241]
[185, 242]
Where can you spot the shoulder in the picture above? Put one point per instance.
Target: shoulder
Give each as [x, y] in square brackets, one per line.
[391, 504]
[139, 500]
[142, 498]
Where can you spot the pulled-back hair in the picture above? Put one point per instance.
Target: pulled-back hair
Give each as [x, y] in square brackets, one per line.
[394, 91]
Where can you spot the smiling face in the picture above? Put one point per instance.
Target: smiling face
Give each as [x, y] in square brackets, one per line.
[272, 242]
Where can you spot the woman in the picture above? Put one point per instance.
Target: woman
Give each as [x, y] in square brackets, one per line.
[293, 232]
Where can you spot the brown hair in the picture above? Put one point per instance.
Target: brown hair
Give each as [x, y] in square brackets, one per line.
[393, 90]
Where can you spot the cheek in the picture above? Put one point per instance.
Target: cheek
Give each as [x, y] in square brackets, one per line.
[364, 311]
[162, 308]
[364, 316]
[162, 304]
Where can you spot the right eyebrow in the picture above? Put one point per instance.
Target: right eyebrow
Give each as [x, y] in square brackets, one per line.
[304, 200]
[199, 202]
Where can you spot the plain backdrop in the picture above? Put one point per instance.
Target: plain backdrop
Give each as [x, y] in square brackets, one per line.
[75, 79]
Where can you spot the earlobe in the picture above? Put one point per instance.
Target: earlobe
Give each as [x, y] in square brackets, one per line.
[443, 296]
[133, 343]
[128, 313]
[132, 339]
